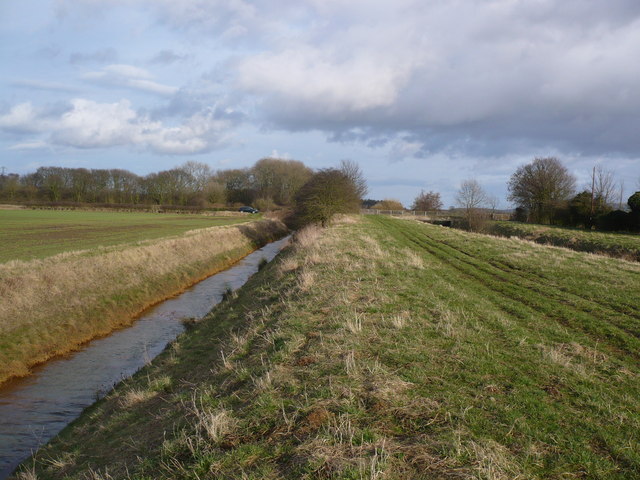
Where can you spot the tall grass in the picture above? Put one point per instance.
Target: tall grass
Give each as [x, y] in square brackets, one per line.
[51, 306]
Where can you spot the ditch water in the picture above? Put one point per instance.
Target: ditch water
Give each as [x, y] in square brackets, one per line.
[35, 408]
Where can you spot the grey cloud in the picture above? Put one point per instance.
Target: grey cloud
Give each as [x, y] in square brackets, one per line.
[167, 57]
[510, 75]
[105, 55]
[186, 103]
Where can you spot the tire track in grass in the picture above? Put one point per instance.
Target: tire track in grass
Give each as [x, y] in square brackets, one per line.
[506, 267]
[557, 309]
[589, 306]
[621, 342]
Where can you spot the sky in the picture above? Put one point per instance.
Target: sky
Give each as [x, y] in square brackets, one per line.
[423, 94]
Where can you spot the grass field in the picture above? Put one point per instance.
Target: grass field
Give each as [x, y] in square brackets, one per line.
[623, 245]
[28, 234]
[387, 349]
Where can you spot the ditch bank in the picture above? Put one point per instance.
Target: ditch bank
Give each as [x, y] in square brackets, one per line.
[617, 245]
[52, 306]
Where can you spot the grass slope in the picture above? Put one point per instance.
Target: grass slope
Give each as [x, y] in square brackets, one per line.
[28, 234]
[387, 349]
[622, 245]
[53, 305]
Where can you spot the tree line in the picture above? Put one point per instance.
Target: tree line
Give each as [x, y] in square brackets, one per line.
[545, 192]
[269, 182]
[310, 196]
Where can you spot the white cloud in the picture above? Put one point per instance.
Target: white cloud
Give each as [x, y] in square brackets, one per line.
[89, 124]
[24, 118]
[308, 77]
[128, 76]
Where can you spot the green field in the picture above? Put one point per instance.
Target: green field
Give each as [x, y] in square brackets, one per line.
[387, 349]
[29, 234]
[624, 245]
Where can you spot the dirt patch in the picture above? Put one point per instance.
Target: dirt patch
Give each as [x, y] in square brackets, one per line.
[313, 421]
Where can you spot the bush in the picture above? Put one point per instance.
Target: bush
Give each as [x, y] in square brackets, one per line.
[617, 220]
[328, 192]
[264, 204]
[389, 204]
[520, 215]
[634, 202]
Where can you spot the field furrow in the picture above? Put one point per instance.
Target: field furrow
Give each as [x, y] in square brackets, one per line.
[577, 312]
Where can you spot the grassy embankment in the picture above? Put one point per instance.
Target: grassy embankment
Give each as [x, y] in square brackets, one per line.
[387, 349]
[52, 305]
[621, 245]
[30, 234]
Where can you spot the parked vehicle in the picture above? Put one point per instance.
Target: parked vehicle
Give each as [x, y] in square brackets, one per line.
[248, 210]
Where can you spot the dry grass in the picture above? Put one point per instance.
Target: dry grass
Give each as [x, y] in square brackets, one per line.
[307, 237]
[50, 306]
[213, 424]
[136, 396]
[27, 474]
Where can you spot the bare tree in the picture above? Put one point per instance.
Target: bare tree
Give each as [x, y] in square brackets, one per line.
[471, 195]
[540, 187]
[354, 173]
[472, 198]
[603, 188]
[621, 194]
[427, 201]
[493, 203]
[278, 180]
[200, 174]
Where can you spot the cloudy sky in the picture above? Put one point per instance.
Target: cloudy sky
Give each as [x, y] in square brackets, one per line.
[422, 93]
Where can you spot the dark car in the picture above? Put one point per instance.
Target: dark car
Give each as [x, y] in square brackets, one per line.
[248, 210]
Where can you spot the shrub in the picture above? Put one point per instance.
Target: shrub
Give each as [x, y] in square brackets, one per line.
[327, 193]
[614, 221]
[634, 202]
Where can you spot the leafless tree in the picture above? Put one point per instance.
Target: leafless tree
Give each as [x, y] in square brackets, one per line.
[354, 173]
[620, 194]
[427, 201]
[493, 203]
[472, 198]
[471, 195]
[603, 187]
